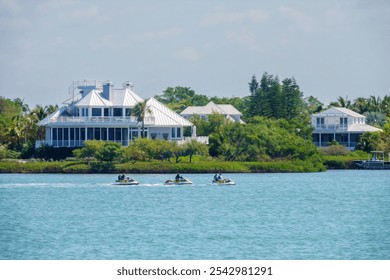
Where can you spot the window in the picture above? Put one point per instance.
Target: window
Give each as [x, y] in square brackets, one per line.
[96, 112]
[90, 133]
[320, 122]
[84, 112]
[104, 133]
[118, 134]
[111, 134]
[176, 133]
[133, 133]
[128, 112]
[118, 112]
[106, 112]
[82, 133]
[343, 122]
[97, 133]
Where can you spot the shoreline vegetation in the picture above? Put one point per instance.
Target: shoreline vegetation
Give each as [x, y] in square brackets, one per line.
[274, 137]
[95, 167]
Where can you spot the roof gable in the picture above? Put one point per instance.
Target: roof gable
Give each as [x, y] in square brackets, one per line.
[93, 99]
[211, 107]
[165, 116]
[125, 98]
[340, 111]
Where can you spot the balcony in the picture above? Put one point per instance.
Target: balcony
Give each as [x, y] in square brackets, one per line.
[96, 120]
[331, 128]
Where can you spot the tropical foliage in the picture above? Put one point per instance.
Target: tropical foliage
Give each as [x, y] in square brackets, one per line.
[277, 128]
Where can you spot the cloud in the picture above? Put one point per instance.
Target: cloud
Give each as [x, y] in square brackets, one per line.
[11, 6]
[222, 16]
[188, 54]
[91, 12]
[298, 18]
[163, 34]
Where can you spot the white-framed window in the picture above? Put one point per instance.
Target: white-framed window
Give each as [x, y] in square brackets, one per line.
[176, 133]
[84, 112]
[343, 122]
[96, 112]
[320, 122]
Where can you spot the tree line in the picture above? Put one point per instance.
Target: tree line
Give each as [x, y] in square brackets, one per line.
[276, 113]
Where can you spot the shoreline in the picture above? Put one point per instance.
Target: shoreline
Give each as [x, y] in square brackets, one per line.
[158, 167]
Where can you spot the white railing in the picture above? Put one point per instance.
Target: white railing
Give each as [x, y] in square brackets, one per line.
[200, 139]
[132, 119]
[332, 127]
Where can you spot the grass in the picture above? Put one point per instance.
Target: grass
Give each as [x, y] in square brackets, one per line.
[159, 167]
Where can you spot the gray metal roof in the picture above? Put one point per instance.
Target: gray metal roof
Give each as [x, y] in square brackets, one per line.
[362, 127]
[165, 116]
[211, 107]
[93, 99]
[339, 111]
[125, 98]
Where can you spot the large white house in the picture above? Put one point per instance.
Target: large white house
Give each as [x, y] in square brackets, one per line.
[97, 111]
[229, 111]
[340, 124]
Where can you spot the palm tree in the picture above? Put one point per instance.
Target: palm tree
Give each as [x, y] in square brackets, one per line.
[361, 105]
[374, 104]
[140, 110]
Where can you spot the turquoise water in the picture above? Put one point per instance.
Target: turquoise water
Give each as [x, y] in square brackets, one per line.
[330, 215]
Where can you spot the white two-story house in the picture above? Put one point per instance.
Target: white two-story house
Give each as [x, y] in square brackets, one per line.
[97, 111]
[340, 124]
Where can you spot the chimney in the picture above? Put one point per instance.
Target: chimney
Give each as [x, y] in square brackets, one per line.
[128, 85]
[108, 90]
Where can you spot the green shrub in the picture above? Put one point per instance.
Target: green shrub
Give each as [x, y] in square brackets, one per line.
[335, 150]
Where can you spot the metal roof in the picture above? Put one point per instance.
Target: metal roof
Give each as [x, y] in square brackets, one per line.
[339, 111]
[125, 98]
[362, 127]
[165, 116]
[93, 99]
[211, 107]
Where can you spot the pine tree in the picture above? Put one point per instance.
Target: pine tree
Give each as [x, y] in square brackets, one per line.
[293, 97]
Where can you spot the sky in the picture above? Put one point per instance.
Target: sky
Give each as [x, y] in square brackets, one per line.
[332, 48]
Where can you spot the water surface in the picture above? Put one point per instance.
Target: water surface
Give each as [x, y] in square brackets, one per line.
[329, 215]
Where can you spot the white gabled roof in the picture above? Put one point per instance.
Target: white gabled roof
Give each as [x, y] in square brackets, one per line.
[52, 116]
[93, 99]
[339, 111]
[125, 98]
[211, 107]
[362, 127]
[165, 116]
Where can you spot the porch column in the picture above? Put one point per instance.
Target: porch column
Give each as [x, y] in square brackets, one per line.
[193, 131]
[319, 142]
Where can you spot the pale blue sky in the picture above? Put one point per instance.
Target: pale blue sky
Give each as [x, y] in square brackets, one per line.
[332, 48]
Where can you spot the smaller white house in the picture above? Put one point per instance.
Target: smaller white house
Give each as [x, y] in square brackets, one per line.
[229, 111]
[340, 124]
